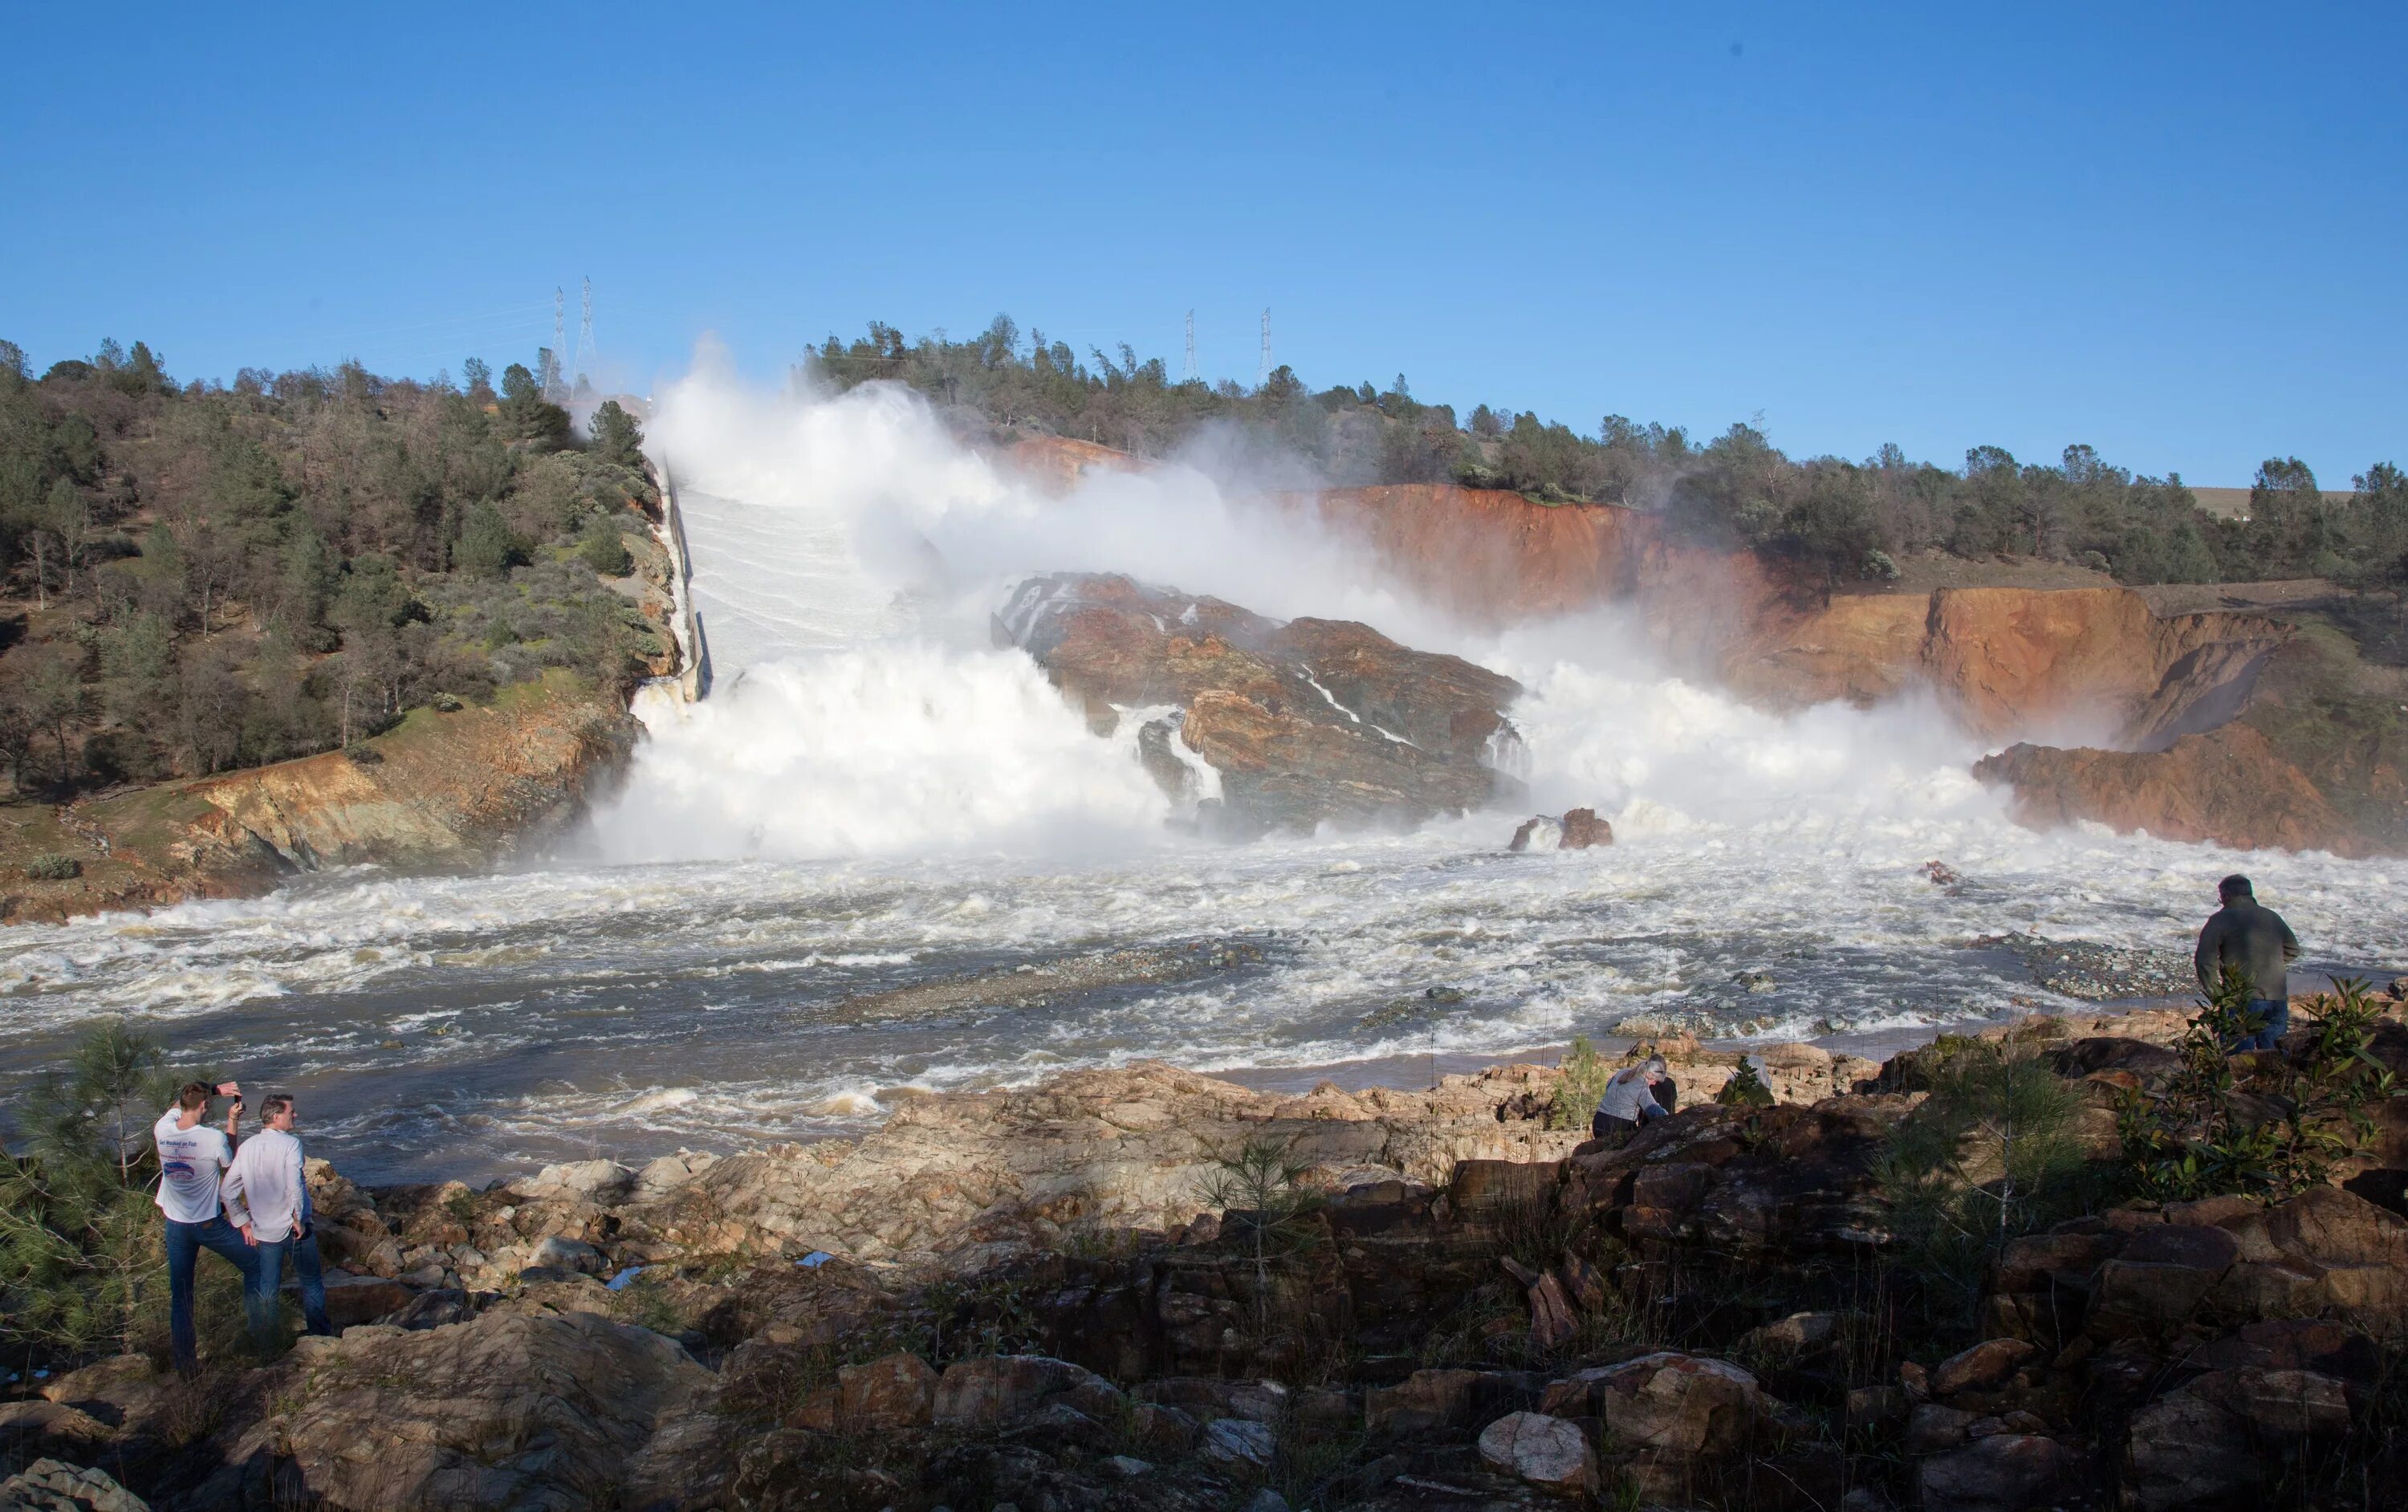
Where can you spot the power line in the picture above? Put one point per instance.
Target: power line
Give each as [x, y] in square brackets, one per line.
[552, 385]
[588, 357]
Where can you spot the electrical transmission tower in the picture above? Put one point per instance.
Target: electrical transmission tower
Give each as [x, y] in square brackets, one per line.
[588, 359]
[1190, 374]
[551, 384]
[1265, 377]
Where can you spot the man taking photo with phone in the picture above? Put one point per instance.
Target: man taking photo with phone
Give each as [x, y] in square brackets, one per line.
[191, 1158]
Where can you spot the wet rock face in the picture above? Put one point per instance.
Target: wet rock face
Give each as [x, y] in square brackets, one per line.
[1580, 828]
[2228, 785]
[1303, 721]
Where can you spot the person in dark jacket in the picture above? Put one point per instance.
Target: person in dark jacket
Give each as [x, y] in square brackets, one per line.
[2254, 941]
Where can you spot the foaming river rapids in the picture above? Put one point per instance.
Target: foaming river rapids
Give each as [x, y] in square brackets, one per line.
[886, 855]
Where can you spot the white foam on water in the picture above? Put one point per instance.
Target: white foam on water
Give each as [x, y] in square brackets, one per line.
[876, 795]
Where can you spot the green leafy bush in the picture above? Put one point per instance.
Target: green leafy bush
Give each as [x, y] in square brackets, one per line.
[599, 546]
[1584, 1075]
[81, 1261]
[1745, 1088]
[2263, 1124]
[53, 867]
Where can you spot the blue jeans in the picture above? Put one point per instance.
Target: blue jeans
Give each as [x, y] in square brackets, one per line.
[2276, 1012]
[267, 1277]
[185, 1242]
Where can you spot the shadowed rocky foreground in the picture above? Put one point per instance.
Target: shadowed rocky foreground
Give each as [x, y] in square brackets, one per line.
[1148, 1289]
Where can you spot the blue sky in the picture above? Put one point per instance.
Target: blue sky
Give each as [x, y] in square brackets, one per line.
[2171, 231]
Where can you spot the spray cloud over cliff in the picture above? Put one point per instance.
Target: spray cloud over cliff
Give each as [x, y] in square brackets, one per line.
[849, 551]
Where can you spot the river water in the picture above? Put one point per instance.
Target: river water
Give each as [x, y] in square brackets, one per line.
[875, 799]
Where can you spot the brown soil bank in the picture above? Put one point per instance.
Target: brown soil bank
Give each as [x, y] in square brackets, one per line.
[2307, 741]
[437, 792]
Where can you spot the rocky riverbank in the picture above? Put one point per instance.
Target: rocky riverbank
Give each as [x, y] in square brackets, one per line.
[444, 790]
[1148, 1289]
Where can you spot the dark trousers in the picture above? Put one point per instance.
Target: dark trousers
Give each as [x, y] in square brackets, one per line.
[267, 1277]
[1606, 1126]
[2276, 1015]
[185, 1242]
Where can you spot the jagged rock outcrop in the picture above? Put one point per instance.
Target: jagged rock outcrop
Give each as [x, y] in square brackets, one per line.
[2094, 663]
[1579, 829]
[1060, 462]
[2007, 659]
[439, 790]
[2229, 786]
[507, 1410]
[1105, 1150]
[1300, 722]
[53, 1486]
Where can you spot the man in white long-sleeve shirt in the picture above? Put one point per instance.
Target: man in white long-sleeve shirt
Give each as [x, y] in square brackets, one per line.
[267, 1194]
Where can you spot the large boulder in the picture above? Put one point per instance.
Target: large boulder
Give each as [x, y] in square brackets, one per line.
[55, 1486]
[1985, 1364]
[2161, 1276]
[2185, 1450]
[1678, 1403]
[597, 1181]
[507, 1410]
[895, 1391]
[966, 1175]
[1301, 721]
[996, 1391]
[1580, 828]
[2002, 1473]
[1440, 1401]
[1546, 1452]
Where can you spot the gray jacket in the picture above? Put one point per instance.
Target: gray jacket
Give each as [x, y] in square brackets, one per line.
[1628, 1096]
[2253, 939]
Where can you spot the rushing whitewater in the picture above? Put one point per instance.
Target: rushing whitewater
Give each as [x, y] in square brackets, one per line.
[764, 933]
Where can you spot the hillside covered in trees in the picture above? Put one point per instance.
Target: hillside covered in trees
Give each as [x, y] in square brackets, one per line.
[202, 578]
[206, 576]
[1840, 520]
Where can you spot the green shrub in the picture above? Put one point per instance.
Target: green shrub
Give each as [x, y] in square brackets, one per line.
[2259, 1125]
[1990, 1155]
[600, 547]
[1267, 1212]
[488, 547]
[1584, 1075]
[1745, 1088]
[53, 867]
[81, 1261]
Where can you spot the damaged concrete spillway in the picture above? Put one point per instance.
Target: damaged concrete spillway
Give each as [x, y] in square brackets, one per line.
[887, 854]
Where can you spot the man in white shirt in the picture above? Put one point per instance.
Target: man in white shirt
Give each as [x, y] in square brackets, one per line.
[267, 1192]
[192, 1156]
